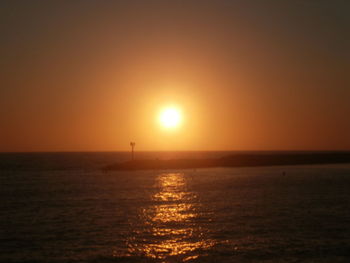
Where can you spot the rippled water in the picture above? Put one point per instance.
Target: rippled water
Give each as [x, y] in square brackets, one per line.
[208, 215]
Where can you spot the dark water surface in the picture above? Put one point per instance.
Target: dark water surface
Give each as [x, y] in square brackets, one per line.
[208, 215]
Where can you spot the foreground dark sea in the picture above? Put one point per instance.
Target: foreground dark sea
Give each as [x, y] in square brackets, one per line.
[62, 208]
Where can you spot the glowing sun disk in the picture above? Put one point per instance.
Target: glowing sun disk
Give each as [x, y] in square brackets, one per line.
[170, 118]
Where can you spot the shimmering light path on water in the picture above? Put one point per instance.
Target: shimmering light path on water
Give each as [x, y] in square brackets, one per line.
[170, 222]
[208, 215]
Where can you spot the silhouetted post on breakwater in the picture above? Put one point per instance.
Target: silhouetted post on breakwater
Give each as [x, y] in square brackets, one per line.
[132, 144]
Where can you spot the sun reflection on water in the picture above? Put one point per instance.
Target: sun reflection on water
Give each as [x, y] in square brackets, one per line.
[171, 219]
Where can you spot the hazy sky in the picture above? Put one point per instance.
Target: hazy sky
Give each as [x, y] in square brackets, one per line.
[248, 75]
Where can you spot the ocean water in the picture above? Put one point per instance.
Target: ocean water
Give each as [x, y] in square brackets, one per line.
[63, 208]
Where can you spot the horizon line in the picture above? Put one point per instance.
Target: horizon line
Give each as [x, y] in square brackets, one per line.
[166, 151]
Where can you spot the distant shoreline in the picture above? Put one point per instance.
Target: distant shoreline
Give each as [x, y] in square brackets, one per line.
[235, 160]
[180, 151]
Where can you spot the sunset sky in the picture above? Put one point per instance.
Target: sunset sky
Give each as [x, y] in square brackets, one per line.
[245, 75]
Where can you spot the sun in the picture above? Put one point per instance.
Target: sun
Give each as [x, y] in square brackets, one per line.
[170, 117]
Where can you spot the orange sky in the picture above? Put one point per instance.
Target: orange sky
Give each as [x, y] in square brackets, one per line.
[93, 77]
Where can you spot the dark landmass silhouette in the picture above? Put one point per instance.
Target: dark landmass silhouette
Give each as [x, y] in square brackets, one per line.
[236, 160]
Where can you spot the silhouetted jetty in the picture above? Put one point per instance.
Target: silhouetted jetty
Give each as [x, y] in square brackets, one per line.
[236, 160]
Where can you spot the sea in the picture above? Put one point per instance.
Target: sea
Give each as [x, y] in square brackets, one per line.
[63, 207]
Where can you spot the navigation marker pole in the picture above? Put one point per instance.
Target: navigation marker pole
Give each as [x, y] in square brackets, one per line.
[132, 144]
